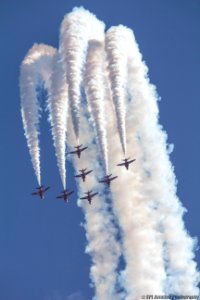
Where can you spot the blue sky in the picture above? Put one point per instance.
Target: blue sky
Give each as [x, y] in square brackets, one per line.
[42, 243]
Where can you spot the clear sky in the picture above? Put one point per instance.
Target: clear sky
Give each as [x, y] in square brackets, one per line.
[41, 242]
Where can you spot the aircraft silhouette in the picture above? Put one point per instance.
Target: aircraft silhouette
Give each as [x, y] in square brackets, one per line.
[89, 196]
[78, 150]
[41, 191]
[65, 195]
[83, 174]
[126, 162]
[107, 179]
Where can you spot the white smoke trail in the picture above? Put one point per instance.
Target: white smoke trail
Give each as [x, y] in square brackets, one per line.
[74, 35]
[116, 44]
[35, 70]
[142, 244]
[183, 276]
[150, 205]
[58, 109]
[100, 230]
[95, 92]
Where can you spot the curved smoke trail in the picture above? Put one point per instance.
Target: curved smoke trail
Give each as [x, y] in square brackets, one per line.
[74, 35]
[116, 44]
[95, 92]
[35, 70]
[58, 109]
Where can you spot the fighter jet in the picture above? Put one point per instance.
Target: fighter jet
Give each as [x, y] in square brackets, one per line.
[83, 174]
[107, 179]
[89, 196]
[41, 191]
[78, 150]
[126, 162]
[65, 195]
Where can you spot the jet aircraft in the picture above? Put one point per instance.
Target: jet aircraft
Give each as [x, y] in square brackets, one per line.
[83, 174]
[65, 195]
[89, 196]
[107, 179]
[126, 162]
[78, 150]
[41, 191]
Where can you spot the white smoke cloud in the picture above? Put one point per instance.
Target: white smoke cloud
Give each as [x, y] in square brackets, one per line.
[182, 275]
[75, 32]
[35, 70]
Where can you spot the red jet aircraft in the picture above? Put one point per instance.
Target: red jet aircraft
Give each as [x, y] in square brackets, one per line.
[41, 191]
[107, 179]
[126, 162]
[83, 174]
[89, 196]
[65, 195]
[78, 150]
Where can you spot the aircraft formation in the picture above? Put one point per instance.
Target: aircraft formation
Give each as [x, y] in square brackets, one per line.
[107, 179]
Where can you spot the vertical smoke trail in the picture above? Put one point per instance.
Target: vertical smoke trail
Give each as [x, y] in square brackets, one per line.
[183, 276]
[95, 92]
[35, 70]
[142, 243]
[74, 35]
[100, 230]
[116, 44]
[58, 109]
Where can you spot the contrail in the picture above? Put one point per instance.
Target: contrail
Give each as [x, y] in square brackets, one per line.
[95, 92]
[182, 275]
[116, 44]
[35, 71]
[102, 246]
[58, 109]
[74, 35]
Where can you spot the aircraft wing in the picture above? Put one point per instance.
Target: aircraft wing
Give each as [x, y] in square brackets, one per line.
[59, 197]
[73, 152]
[47, 188]
[70, 193]
[88, 172]
[84, 198]
[35, 193]
[122, 164]
[113, 178]
[80, 175]
[83, 148]
[130, 161]
[94, 194]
